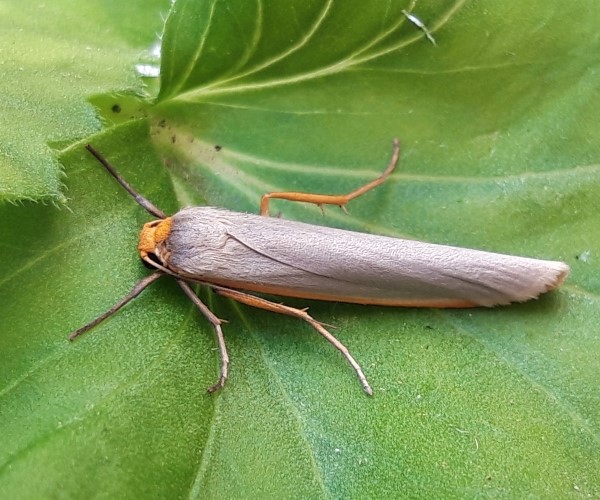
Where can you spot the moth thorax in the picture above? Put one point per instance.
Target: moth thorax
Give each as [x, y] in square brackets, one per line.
[152, 234]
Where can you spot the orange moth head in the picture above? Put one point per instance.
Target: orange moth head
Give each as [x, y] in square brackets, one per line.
[152, 234]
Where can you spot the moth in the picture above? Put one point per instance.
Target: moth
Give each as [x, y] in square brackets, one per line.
[236, 253]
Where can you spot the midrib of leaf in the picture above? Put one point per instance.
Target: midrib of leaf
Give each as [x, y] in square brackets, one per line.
[353, 60]
[187, 71]
[286, 401]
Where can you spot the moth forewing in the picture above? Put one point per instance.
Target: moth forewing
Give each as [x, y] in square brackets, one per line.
[303, 260]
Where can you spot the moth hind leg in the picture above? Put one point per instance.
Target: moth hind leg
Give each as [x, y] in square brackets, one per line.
[326, 199]
[261, 303]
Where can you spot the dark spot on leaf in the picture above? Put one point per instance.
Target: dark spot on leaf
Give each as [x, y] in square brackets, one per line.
[116, 108]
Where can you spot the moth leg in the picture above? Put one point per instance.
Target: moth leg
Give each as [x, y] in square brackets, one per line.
[216, 323]
[261, 303]
[138, 288]
[326, 199]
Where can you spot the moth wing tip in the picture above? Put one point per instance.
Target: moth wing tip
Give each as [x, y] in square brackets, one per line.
[556, 274]
[563, 270]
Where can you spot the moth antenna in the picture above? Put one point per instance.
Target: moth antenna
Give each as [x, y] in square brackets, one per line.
[143, 202]
[138, 288]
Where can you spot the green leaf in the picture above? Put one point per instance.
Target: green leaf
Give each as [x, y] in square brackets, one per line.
[54, 56]
[500, 152]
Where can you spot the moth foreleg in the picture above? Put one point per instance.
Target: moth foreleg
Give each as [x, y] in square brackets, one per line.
[216, 323]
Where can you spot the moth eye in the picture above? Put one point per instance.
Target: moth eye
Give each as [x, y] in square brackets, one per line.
[153, 258]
